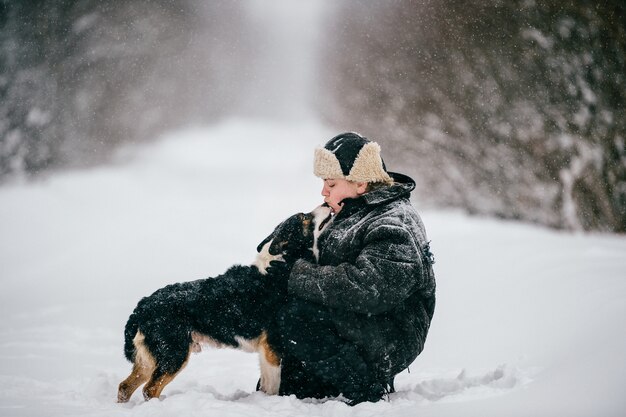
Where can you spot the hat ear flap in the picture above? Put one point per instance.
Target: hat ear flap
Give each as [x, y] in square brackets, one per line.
[368, 166]
[326, 165]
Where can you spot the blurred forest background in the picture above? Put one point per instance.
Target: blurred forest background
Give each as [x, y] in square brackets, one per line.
[509, 108]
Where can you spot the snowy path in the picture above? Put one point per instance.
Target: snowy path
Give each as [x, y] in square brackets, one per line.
[529, 321]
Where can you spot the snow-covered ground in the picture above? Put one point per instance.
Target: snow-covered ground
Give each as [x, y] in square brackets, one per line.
[529, 321]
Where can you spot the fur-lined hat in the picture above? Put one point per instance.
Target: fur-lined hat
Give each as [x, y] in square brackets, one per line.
[351, 157]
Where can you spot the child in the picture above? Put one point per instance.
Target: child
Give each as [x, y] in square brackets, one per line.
[361, 314]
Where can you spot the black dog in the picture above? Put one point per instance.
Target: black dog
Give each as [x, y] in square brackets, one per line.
[235, 310]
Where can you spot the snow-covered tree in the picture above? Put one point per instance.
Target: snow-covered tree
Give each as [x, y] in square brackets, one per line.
[513, 108]
[78, 77]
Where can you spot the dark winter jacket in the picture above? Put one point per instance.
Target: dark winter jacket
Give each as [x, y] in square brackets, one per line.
[375, 275]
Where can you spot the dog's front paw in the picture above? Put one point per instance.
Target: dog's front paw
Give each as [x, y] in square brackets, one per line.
[265, 258]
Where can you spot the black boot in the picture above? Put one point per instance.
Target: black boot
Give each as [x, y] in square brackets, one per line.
[295, 380]
[350, 375]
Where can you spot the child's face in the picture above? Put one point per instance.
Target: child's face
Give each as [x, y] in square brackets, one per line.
[334, 191]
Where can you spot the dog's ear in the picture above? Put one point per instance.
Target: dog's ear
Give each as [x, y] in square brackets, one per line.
[276, 232]
[286, 233]
[264, 242]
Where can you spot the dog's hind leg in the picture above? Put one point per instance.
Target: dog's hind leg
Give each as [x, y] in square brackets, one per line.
[137, 377]
[159, 380]
[143, 367]
[155, 386]
[270, 367]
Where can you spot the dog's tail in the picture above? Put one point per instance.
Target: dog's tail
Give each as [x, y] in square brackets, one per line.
[130, 331]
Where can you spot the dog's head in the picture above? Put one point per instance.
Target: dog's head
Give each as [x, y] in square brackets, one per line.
[294, 238]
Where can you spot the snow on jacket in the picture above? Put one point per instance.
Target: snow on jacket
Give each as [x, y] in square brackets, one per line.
[375, 275]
